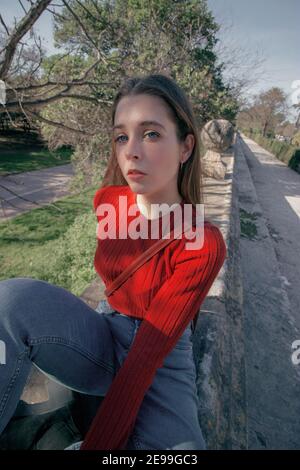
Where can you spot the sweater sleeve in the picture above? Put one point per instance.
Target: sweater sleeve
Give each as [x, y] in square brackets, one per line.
[170, 311]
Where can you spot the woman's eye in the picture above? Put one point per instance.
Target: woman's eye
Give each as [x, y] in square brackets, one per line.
[148, 133]
[117, 139]
[152, 132]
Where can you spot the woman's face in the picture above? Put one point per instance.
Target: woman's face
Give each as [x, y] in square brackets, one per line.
[152, 148]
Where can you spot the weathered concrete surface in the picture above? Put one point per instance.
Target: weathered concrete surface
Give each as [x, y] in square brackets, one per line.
[217, 137]
[42, 186]
[219, 339]
[94, 293]
[271, 323]
[278, 191]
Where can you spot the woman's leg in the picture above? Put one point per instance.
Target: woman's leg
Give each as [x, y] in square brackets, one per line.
[168, 416]
[47, 325]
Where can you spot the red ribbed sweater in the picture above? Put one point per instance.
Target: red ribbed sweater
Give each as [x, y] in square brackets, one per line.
[166, 292]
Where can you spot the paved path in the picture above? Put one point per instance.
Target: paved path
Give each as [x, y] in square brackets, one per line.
[278, 191]
[270, 236]
[42, 186]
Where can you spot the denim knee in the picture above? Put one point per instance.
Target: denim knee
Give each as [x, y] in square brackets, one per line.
[14, 296]
[12, 290]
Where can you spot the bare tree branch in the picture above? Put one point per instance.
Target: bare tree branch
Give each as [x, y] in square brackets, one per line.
[14, 106]
[58, 15]
[57, 83]
[4, 25]
[23, 7]
[59, 124]
[23, 199]
[19, 32]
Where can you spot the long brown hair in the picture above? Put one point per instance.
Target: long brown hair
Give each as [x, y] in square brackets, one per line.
[179, 108]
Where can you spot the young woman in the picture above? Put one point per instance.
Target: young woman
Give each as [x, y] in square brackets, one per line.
[135, 348]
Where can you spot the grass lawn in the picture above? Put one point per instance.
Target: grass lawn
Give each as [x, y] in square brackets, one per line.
[21, 152]
[29, 159]
[27, 241]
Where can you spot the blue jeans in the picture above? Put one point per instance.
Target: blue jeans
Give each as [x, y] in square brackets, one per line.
[83, 349]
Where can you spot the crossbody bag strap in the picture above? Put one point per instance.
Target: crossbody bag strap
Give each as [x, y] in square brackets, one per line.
[138, 262]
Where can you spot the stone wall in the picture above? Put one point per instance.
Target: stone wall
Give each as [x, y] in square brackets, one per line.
[219, 339]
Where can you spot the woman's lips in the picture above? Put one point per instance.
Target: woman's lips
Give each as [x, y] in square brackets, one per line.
[136, 175]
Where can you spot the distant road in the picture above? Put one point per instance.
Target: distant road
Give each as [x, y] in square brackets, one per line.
[42, 186]
[278, 190]
[269, 204]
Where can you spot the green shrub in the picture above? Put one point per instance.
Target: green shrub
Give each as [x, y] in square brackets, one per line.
[294, 163]
[296, 139]
[285, 152]
[70, 261]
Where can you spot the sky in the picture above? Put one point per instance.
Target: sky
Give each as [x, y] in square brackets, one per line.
[267, 28]
[270, 27]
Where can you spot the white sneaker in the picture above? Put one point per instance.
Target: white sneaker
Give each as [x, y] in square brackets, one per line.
[75, 446]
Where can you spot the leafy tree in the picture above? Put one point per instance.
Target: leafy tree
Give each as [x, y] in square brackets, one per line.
[103, 42]
[131, 37]
[267, 112]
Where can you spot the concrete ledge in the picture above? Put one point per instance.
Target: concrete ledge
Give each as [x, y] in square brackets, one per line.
[219, 339]
[94, 293]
